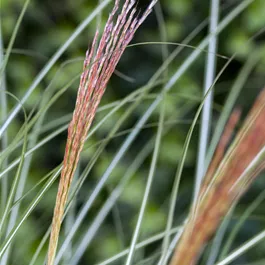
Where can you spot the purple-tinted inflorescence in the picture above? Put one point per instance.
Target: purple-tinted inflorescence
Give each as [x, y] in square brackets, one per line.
[99, 65]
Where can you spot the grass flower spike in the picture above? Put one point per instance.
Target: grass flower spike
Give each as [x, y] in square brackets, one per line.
[99, 65]
[226, 180]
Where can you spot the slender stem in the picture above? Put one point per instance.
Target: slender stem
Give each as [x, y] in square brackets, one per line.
[148, 186]
[163, 34]
[3, 104]
[249, 244]
[206, 111]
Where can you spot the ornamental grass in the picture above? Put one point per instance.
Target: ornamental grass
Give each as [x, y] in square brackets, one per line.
[99, 65]
[228, 177]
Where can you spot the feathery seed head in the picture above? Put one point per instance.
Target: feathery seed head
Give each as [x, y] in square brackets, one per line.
[225, 181]
[99, 65]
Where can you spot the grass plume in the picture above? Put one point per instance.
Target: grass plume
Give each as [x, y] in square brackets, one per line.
[224, 183]
[99, 65]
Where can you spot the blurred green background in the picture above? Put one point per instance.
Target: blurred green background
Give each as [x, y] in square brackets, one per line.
[45, 27]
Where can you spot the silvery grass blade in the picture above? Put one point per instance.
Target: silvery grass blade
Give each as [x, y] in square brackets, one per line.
[207, 107]
[226, 184]
[10, 198]
[99, 65]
